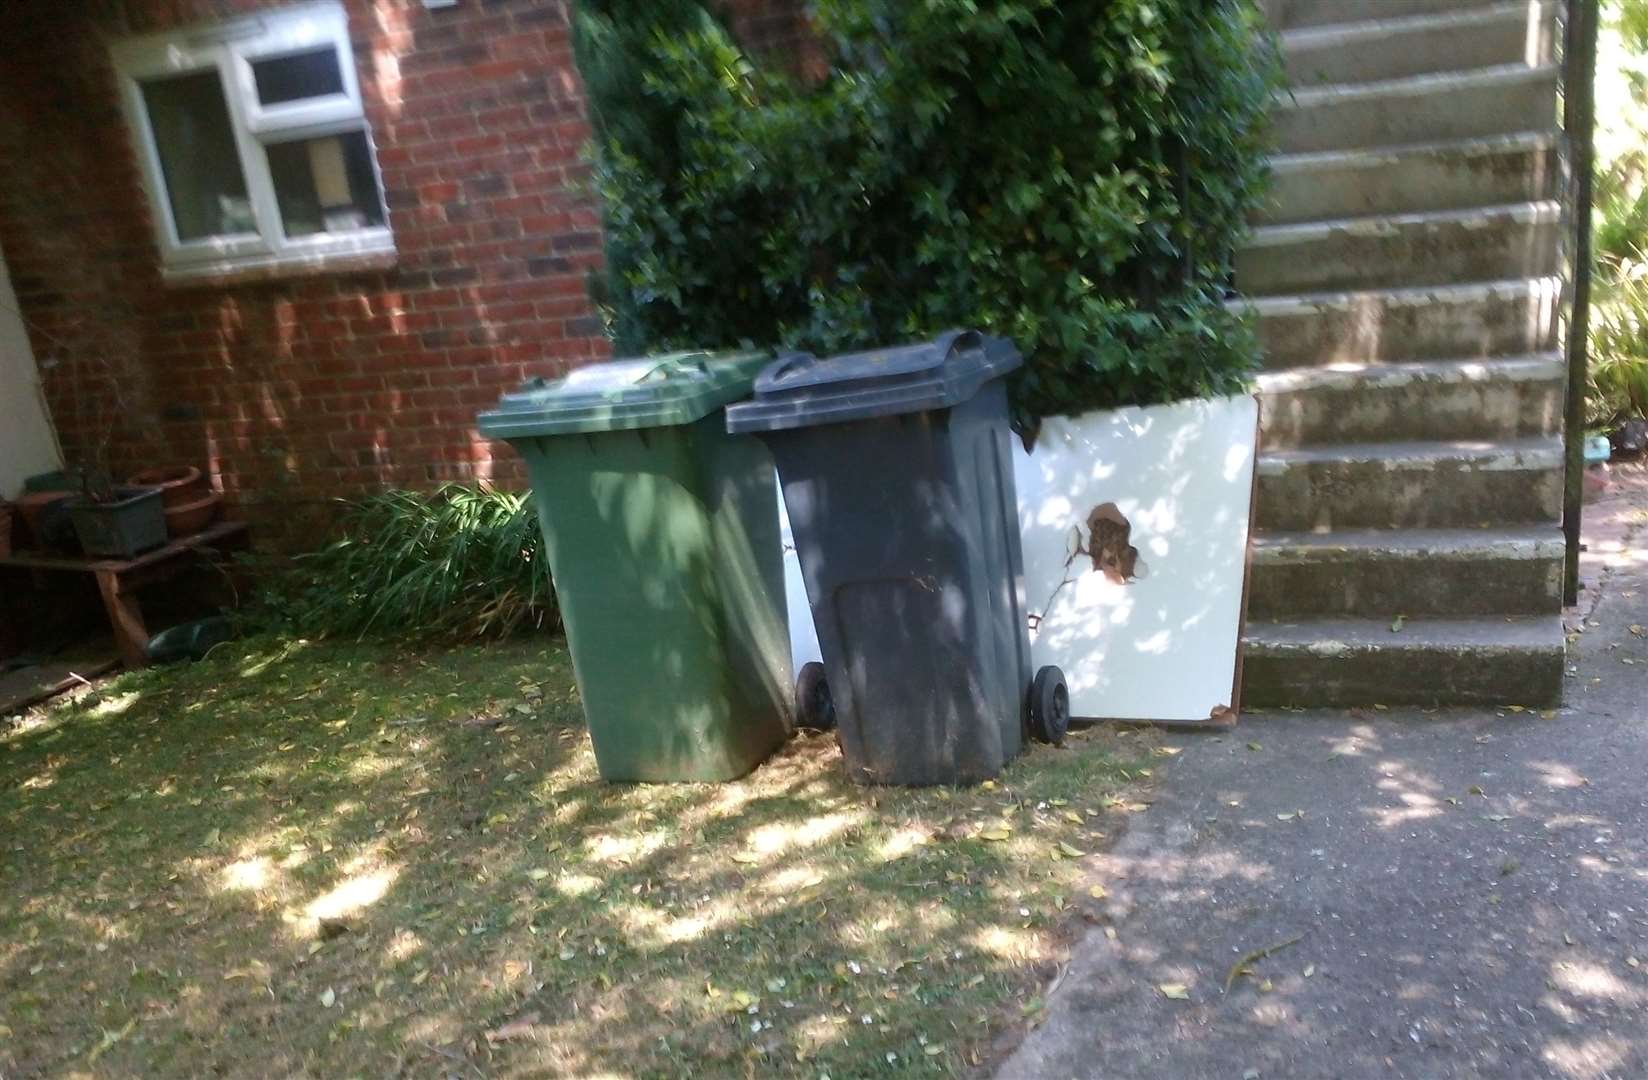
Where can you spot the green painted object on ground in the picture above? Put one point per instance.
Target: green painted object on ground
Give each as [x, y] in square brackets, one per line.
[662, 536]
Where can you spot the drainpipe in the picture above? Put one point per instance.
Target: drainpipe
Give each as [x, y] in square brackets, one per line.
[1578, 122]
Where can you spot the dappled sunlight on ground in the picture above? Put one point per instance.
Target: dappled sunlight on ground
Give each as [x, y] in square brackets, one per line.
[339, 860]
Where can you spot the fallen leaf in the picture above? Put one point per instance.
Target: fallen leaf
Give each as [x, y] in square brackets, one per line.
[1381, 708]
[1474, 789]
[1070, 852]
[1244, 965]
[1098, 892]
[1176, 991]
[537, 874]
[1310, 969]
[932, 1051]
[1254, 746]
[995, 834]
[1072, 816]
[328, 998]
[518, 1028]
[745, 857]
[110, 1038]
[1398, 623]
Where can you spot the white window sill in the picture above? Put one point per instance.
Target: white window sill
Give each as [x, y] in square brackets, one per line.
[278, 267]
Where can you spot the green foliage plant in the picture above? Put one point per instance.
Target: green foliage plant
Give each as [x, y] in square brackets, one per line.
[1618, 363]
[465, 561]
[1074, 175]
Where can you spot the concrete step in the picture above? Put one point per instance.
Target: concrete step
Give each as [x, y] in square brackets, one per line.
[1392, 45]
[1420, 108]
[1453, 175]
[1414, 572]
[1410, 485]
[1330, 663]
[1288, 14]
[1381, 326]
[1432, 248]
[1439, 399]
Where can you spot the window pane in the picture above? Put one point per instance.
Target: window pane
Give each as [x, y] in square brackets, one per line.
[198, 159]
[326, 185]
[301, 75]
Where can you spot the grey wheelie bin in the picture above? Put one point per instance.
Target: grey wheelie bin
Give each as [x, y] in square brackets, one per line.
[897, 470]
[662, 536]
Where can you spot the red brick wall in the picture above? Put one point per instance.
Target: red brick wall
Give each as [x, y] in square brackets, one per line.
[297, 391]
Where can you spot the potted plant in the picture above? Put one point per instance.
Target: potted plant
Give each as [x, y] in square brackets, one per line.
[118, 521]
[93, 379]
[1072, 176]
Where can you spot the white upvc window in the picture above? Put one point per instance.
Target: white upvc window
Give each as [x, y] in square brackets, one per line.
[254, 146]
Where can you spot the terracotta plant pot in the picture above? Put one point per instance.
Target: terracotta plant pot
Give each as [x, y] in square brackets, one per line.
[178, 484]
[191, 517]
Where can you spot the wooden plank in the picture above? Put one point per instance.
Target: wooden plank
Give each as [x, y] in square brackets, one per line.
[223, 530]
[125, 619]
[28, 686]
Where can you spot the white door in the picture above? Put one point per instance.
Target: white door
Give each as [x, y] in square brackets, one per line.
[27, 445]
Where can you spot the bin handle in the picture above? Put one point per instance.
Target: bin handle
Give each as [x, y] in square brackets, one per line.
[678, 365]
[952, 341]
[783, 367]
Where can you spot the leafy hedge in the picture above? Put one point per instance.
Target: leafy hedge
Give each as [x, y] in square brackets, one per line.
[1074, 174]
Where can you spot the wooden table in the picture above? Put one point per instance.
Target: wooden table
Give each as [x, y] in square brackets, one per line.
[119, 579]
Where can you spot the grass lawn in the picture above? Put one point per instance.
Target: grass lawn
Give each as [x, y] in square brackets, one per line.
[363, 860]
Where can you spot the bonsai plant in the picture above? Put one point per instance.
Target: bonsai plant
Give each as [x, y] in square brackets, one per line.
[1074, 176]
[110, 520]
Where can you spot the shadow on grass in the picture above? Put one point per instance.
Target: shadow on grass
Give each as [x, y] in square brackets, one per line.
[333, 860]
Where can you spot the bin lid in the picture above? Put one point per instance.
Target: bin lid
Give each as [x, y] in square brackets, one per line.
[803, 390]
[621, 395]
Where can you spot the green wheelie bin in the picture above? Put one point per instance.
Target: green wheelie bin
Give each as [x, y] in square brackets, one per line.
[663, 540]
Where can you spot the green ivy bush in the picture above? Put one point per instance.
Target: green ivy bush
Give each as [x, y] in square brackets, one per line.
[1073, 174]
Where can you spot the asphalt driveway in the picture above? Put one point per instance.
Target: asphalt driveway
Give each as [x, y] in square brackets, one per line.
[1468, 891]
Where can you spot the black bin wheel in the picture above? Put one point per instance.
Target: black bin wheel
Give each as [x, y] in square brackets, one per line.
[815, 709]
[1049, 706]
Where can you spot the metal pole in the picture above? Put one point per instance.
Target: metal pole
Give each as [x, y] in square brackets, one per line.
[1578, 120]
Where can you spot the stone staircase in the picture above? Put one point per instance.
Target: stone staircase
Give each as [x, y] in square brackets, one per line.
[1406, 280]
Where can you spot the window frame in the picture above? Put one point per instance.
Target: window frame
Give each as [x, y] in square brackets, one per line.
[229, 49]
